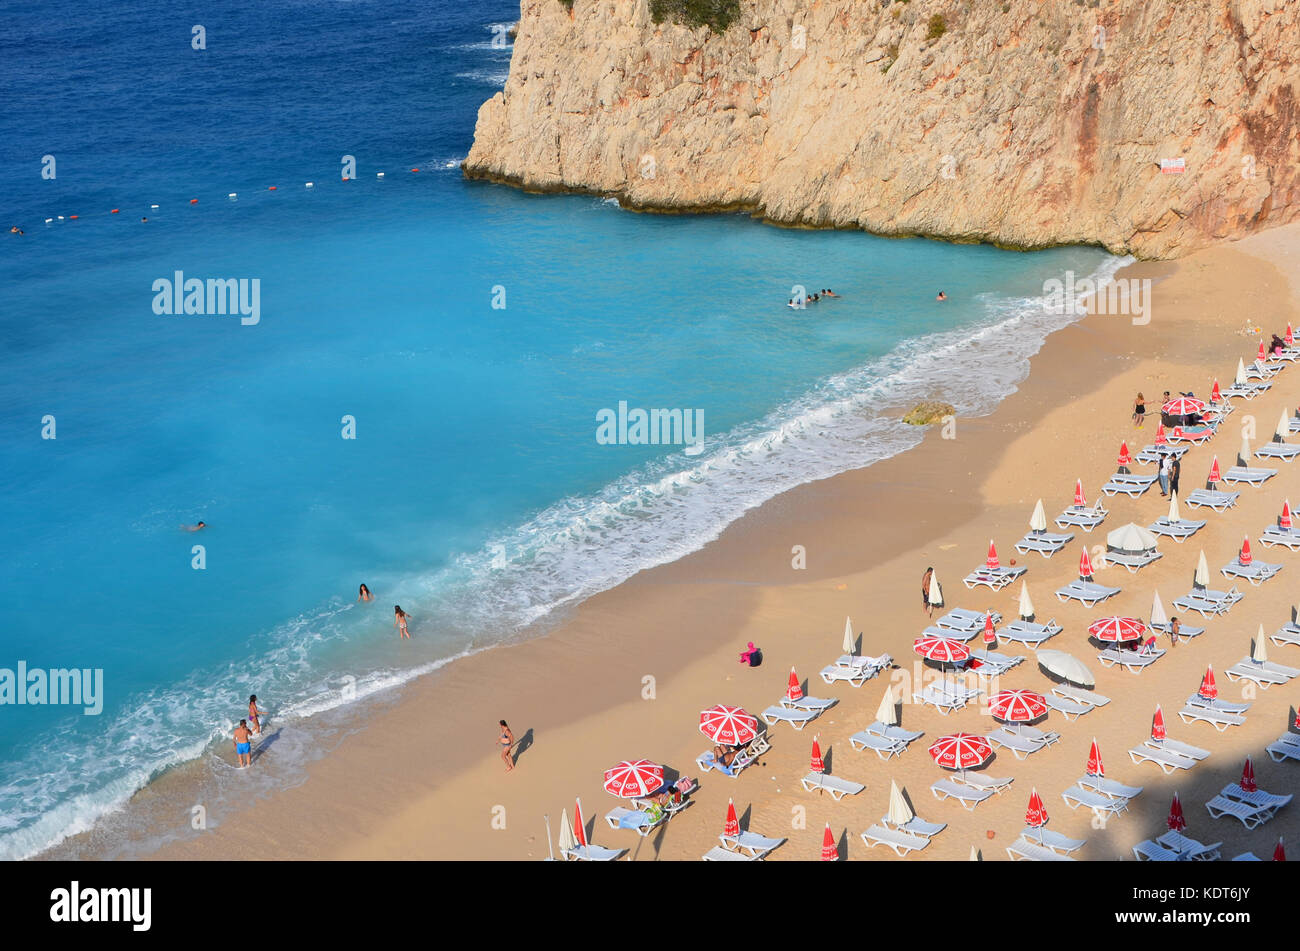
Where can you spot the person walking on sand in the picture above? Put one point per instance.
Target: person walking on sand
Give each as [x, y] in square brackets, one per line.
[507, 740]
[254, 713]
[243, 743]
[1174, 473]
[1174, 627]
[926, 606]
[1139, 410]
[400, 618]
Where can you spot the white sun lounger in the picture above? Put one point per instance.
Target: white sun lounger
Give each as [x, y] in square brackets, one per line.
[1248, 670]
[1185, 631]
[894, 732]
[1192, 434]
[1075, 797]
[750, 842]
[1084, 518]
[1286, 746]
[1133, 563]
[1259, 798]
[1277, 450]
[1249, 475]
[1108, 787]
[1068, 708]
[1167, 760]
[983, 781]
[873, 665]
[995, 663]
[1019, 745]
[1088, 592]
[616, 816]
[1220, 721]
[997, 578]
[1250, 816]
[1128, 484]
[1247, 391]
[940, 699]
[1212, 498]
[1079, 695]
[796, 718]
[1046, 736]
[1217, 705]
[814, 704]
[1046, 544]
[963, 619]
[838, 788]
[1055, 841]
[1206, 602]
[1179, 531]
[1247, 857]
[1029, 633]
[917, 826]
[901, 842]
[855, 676]
[1025, 850]
[1261, 371]
[957, 635]
[719, 854]
[884, 748]
[1188, 848]
[1149, 851]
[1257, 572]
[1273, 536]
[1152, 453]
[1133, 661]
[1179, 747]
[1288, 633]
[968, 797]
[592, 853]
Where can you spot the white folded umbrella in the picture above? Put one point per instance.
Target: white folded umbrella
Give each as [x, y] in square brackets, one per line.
[1038, 521]
[849, 644]
[1202, 577]
[1260, 652]
[1240, 378]
[886, 713]
[1174, 514]
[936, 593]
[1026, 606]
[567, 839]
[900, 813]
[1283, 428]
[1158, 616]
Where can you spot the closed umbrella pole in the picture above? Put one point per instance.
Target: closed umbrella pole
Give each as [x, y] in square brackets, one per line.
[1038, 521]
[1202, 577]
[1158, 616]
[885, 713]
[1175, 516]
[1259, 654]
[900, 813]
[1283, 428]
[1026, 605]
[849, 644]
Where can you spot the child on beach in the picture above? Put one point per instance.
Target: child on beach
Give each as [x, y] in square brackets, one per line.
[400, 618]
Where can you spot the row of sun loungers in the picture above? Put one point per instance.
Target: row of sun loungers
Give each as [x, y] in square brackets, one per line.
[1174, 847]
[1287, 746]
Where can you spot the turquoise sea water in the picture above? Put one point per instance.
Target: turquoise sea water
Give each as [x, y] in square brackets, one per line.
[475, 493]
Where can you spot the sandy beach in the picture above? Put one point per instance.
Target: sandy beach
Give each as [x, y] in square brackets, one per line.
[626, 674]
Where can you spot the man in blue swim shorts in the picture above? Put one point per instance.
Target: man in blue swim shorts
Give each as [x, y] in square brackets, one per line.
[243, 743]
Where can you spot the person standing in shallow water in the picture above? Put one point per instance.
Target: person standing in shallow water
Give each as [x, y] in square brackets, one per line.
[363, 594]
[926, 606]
[507, 740]
[400, 618]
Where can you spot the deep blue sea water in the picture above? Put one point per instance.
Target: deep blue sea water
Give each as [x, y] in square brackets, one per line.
[475, 493]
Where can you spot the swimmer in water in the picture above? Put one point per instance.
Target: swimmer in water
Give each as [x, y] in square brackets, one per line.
[194, 528]
[364, 594]
[942, 296]
[829, 293]
[400, 618]
[253, 713]
[792, 304]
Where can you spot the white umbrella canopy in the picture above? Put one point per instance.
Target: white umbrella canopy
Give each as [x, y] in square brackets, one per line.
[1067, 666]
[1202, 576]
[1259, 653]
[1283, 428]
[1158, 616]
[1243, 456]
[1240, 378]
[974, 854]
[1026, 606]
[936, 593]
[1174, 514]
[886, 713]
[568, 840]
[900, 813]
[1131, 538]
[1038, 521]
[849, 644]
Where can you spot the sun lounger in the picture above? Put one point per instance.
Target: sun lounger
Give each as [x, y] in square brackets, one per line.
[1212, 498]
[796, 718]
[1179, 531]
[1046, 544]
[1025, 850]
[814, 704]
[1133, 661]
[968, 797]
[1288, 633]
[1248, 670]
[1055, 841]
[1217, 705]
[1248, 475]
[1191, 434]
[1259, 798]
[1250, 816]
[1043, 736]
[1075, 797]
[1108, 787]
[884, 748]
[1188, 848]
[1220, 721]
[917, 826]
[982, 781]
[1185, 631]
[996, 578]
[1167, 760]
[1151, 454]
[856, 676]
[1258, 371]
[1084, 518]
[1068, 708]
[995, 663]
[1288, 672]
[1287, 746]
[639, 819]
[750, 842]
[1257, 572]
[719, 854]
[1029, 633]
[957, 635]
[756, 747]
[1089, 592]
[895, 732]
[1149, 851]
[1021, 746]
[1128, 484]
[838, 788]
[1078, 695]
[940, 699]
[1133, 563]
[963, 619]
[1206, 602]
[1277, 450]
[1273, 536]
[1246, 391]
[873, 665]
[901, 842]
[1177, 746]
[592, 853]
[1247, 857]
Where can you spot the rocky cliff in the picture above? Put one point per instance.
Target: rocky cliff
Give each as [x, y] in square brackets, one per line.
[1025, 123]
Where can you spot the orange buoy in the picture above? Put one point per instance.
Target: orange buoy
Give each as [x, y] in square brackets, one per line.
[270, 188]
[113, 212]
[415, 169]
[194, 201]
[73, 217]
[345, 178]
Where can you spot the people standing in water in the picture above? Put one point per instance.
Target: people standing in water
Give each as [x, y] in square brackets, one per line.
[243, 744]
[507, 740]
[363, 594]
[1139, 410]
[926, 606]
[400, 618]
[254, 713]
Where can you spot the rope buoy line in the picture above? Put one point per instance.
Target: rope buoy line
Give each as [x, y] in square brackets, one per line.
[232, 196]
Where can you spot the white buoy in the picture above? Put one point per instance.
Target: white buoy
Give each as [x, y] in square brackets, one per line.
[310, 184]
[48, 220]
[153, 206]
[232, 195]
[60, 217]
[379, 175]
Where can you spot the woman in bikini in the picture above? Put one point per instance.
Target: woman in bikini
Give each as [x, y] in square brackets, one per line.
[364, 594]
[1139, 410]
[507, 740]
[253, 713]
[400, 618]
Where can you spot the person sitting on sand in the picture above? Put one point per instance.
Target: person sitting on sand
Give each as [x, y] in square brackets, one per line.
[941, 296]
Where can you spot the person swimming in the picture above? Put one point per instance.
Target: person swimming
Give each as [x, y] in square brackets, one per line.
[195, 528]
[829, 293]
[942, 296]
[364, 594]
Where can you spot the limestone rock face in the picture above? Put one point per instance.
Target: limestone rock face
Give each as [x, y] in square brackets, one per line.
[1027, 123]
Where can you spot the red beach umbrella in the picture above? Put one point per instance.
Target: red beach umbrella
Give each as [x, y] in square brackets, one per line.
[579, 830]
[732, 825]
[1216, 394]
[1284, 521]
[1263, 352]
[1245, 557]
[1161, 440]
[794, 691]
[632, 779]
[817, 765]
[1158, 724]
[1214, 471]
[1176, 820]
[1297, 719]
[1279, 853]
[830, 851]
[961, 751]
[1117, 630]
[1124, 458]
[1248, 776]
[1289, 339]
[1095, 766]
[730, 726]
[1183, 406]
[1017, 706]
[1079, 499]
[1085, 566]
[991, 562]
[1208, 689]
[990, 635]
[946, 650]
[1036, 814]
